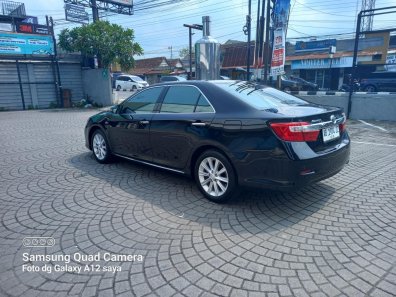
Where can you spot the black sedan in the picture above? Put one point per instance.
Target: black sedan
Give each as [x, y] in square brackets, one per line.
[225, 134]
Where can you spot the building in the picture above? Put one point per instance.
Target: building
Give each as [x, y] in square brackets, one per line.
[152, 69]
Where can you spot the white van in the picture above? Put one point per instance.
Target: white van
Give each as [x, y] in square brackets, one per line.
[130, 82]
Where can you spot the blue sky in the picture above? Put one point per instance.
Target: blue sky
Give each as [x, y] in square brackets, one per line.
[159, 29]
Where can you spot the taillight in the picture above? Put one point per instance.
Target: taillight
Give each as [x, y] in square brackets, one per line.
[295, 131]
[343, 124]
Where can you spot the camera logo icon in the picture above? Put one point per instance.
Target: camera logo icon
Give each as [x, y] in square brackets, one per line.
[38, 241]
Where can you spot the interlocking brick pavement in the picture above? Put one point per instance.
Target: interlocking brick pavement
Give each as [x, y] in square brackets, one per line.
[334, 238]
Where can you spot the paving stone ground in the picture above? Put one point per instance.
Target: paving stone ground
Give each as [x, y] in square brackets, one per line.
[335, 238]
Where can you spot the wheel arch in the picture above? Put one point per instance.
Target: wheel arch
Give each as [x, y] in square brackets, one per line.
[90, 133]
[200, 150]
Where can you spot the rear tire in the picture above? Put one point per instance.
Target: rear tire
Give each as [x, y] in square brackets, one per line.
[134, 88]
[370, 88]
[286, 89]
[215, 177]
[100, 147]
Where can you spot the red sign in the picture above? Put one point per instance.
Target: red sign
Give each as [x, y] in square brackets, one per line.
[277, 57]
[25, 28]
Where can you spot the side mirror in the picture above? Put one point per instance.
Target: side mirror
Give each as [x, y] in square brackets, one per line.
[114, 108]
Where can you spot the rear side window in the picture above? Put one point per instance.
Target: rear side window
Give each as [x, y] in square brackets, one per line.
[180, 100]
[261, 98]
[142, 102]
[203, 105]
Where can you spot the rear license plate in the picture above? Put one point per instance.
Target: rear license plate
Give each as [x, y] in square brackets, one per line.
[331, 133]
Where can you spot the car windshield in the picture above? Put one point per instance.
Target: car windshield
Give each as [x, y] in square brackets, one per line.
[260, 97]
[136, 78]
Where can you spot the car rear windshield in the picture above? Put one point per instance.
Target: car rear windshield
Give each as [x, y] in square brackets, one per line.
[259, 96]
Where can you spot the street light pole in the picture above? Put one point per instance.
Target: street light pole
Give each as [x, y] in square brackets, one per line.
[190, 27]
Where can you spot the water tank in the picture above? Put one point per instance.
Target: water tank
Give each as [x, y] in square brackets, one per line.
[207, 54]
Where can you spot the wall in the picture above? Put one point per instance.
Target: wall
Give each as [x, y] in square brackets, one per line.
[38, 80]
[97, 86]
[364, 106]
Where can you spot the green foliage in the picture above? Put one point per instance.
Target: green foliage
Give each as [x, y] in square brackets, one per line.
[110, 42]
[185, 52]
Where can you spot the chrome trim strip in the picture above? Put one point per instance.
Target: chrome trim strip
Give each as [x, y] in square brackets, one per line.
[150, 164]
[319, 126]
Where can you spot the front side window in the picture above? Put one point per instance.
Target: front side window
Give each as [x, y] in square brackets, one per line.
[181, 99]
[142, 102]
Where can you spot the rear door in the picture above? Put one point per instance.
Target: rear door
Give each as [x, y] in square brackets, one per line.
[183, 120]
[129, 129]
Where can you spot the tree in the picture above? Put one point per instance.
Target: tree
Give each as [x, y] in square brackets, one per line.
[110, 42]
[185, 52]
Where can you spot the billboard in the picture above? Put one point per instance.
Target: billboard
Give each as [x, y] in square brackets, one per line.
[313, 46]
[76, 13]
[375, 42]
[121, 2]
[25, 44]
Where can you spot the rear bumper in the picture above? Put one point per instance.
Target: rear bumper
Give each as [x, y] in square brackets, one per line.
[287, 174]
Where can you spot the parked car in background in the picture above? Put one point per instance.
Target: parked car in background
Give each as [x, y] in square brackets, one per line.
[224, 133]
[379, 82]
[130, 82]
[114, 76]
[287, 85]
[305, 85]
[172, 78]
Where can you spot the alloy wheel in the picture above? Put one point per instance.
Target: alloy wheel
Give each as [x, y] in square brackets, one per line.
[99, 146]
[213, 176]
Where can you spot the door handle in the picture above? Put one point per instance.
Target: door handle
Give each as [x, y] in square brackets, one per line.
[144, 122]
[199, 124]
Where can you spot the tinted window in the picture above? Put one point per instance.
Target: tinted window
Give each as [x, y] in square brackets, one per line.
[168, 78]
[203, 105]
[143, 102]
[261, 98]
[180, 100]
[120, 78]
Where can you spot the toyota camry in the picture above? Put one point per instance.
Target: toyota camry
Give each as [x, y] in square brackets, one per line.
[225, 135]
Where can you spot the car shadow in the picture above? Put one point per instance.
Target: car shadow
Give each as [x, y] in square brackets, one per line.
[257, 211]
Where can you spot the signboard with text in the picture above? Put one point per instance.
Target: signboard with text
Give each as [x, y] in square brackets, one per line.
[122, 2]
[32, 29]
[25, 44]
[76, 13]
[339, 62]
[312, 46]
[278, 53]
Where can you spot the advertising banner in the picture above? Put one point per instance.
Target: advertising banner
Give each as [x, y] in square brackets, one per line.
[278, 53]
[313, 46]
[32, 28]
[280, 18]
[122, 2]
[25, 44]
[76, 13]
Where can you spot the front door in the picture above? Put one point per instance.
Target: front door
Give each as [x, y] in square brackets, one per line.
[129, 129]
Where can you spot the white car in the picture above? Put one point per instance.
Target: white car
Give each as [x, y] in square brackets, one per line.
[130, 82]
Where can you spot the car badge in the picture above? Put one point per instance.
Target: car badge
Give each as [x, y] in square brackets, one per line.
[333, 119]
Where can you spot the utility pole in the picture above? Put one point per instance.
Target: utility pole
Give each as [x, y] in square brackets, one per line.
[171, 50]
[258, 38]
[249, 27]
[95, 12]
[50, 24]
[266, 54]
[190, 27]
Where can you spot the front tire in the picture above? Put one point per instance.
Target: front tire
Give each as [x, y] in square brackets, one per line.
[118, 88]
[287, 89]
[215, 177]
[134, 88]
[100, 147]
